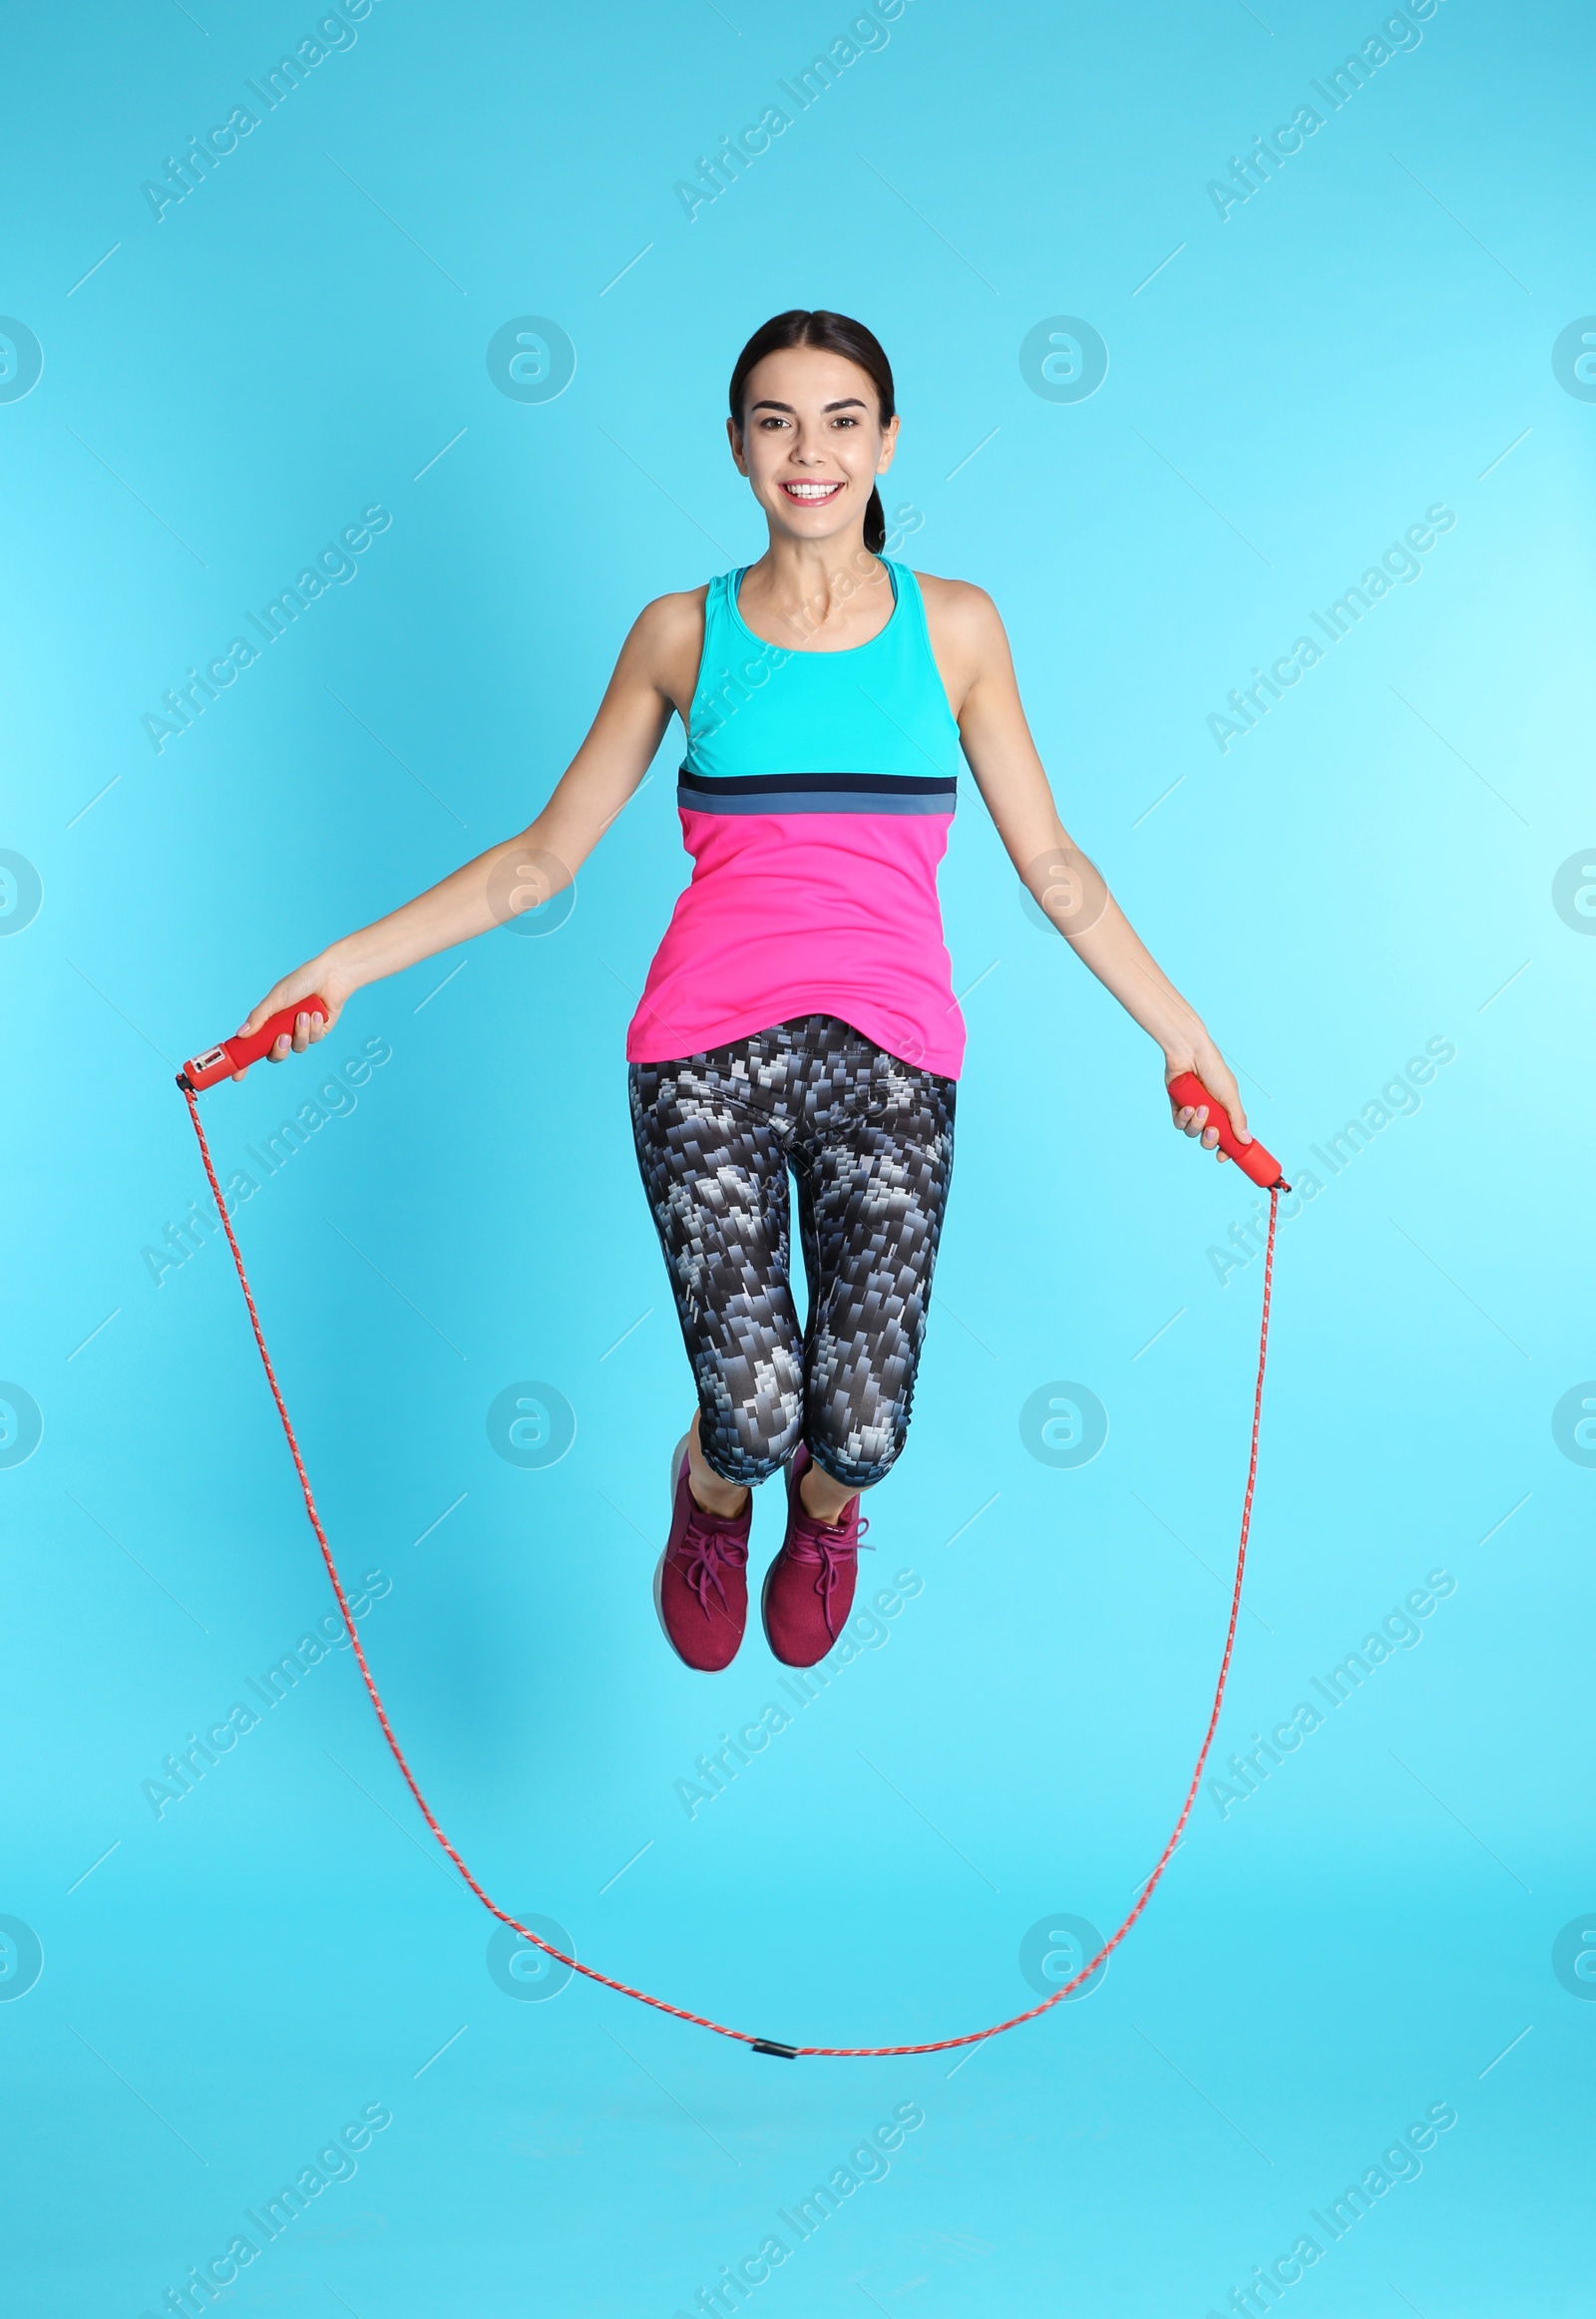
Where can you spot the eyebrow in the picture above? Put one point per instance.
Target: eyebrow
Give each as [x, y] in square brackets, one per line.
[845, 403]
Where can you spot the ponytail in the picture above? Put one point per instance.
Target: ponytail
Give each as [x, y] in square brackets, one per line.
[875, 525]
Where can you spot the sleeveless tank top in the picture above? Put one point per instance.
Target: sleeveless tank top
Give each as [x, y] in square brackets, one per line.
[815, 800]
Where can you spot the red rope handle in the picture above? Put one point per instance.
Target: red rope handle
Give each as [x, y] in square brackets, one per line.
[677, 2012]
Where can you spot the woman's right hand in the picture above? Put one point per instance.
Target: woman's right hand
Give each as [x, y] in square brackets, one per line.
[319, 978]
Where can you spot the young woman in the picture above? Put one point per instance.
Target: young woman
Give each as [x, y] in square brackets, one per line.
[799, 1013]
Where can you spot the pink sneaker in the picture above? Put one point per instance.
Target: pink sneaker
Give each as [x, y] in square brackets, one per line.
[809, 1588]
[700, 1581]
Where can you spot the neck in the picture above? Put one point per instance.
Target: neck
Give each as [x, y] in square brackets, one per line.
[802, 586]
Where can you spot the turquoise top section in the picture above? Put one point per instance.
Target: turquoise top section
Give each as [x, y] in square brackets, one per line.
[877, 709]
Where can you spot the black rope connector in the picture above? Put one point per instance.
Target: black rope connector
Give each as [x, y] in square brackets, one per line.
[766, 2045]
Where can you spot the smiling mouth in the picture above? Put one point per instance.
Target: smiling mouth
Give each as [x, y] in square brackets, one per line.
[812, 495]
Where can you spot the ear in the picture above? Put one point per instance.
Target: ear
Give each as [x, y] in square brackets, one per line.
[734, 438]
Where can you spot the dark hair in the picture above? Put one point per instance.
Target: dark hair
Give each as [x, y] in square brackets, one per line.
[837, 334]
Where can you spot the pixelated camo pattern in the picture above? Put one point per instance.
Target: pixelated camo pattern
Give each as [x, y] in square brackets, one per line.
[869, 1140]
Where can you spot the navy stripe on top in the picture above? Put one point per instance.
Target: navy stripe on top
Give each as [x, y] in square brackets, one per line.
[816, 792]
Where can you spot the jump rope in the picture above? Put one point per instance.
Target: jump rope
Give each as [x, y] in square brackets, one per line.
[237, 1054]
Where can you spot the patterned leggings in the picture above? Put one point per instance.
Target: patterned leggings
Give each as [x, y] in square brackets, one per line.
[870, 1140]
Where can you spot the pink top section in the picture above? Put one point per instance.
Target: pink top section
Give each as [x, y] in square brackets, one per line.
[812, 914]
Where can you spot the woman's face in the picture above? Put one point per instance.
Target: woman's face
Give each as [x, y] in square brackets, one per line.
[811, 443]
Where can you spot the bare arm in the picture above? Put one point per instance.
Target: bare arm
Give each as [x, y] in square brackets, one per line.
[973, 652]
[524, 871]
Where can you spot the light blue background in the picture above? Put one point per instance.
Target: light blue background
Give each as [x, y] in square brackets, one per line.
[1370, 869]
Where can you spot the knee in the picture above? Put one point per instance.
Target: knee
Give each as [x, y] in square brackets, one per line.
[856, 1457]
[752, 1448]
[742, 1464]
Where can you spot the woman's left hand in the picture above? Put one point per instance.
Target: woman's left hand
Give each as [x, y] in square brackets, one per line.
[1210, 1066]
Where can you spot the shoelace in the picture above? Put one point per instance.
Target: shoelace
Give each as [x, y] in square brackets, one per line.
[708, 1547]
[815, 1541]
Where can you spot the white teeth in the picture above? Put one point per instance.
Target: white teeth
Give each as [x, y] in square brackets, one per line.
[811, 490]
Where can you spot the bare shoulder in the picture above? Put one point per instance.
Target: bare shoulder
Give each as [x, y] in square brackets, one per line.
[962, 615]
[670, 622]
[967, 633]
[667, 642]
